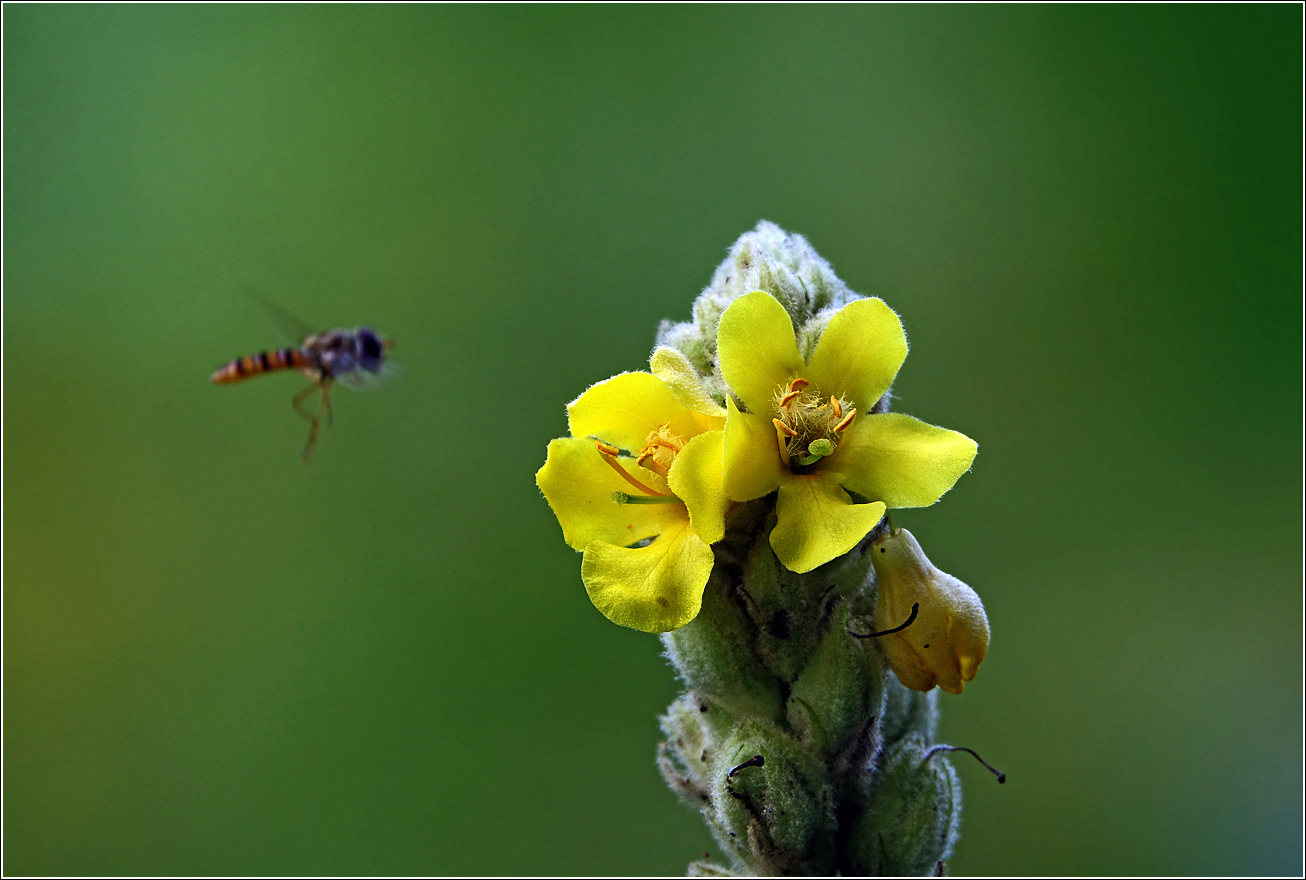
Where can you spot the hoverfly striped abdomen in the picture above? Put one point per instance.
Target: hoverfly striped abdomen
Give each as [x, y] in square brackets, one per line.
[256, 364]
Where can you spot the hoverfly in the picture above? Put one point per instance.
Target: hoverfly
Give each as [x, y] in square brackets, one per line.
[351, 356]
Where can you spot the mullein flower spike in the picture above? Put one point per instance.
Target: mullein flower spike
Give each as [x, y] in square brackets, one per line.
[733, 499]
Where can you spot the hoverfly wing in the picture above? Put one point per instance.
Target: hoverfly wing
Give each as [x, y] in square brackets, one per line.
[287, 323]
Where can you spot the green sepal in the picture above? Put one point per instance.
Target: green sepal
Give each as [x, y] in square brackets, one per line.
[792, 611]
[911, 822]
[830, 701]
[809, 334]
[714, 655]
[907, 711]
[776, 816]
[695, 728]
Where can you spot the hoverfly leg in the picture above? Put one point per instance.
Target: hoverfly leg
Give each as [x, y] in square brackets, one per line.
[326, 401]
[298, 401]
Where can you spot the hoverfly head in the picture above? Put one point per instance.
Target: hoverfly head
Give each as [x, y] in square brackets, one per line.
[370, 349]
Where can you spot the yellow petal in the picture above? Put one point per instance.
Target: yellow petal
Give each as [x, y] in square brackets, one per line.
[578, 485]
[817, 521]
[900, 460]
[672, 367]
[697, 477]
[859, 353]
[656, 588]
[757, 349]
[622, 410]
[752, 455]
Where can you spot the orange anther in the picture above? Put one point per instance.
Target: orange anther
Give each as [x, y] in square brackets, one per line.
[838, 407]
[798, 384]
[647, 461]
[788, 398]
[847, 420]
[785, 429]
[606, 448]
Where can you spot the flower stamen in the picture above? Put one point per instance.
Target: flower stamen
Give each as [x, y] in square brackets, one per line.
[626, 498]
[647, 461]
[785, 429]
[609, 454]
[660, 449]
[808, 425]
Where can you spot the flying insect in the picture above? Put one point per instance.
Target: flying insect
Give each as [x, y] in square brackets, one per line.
[354, 357]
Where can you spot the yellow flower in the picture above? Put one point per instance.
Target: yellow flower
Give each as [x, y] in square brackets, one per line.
[808, 430]
[947, 641]
[638, 487]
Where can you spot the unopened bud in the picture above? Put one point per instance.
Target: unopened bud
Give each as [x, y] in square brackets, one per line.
[911, 824]
[772, 804]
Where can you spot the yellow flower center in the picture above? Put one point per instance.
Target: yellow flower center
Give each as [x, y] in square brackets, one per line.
[660, 449]
[807, 425]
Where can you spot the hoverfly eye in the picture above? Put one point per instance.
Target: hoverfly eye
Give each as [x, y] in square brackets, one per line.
[371, 345]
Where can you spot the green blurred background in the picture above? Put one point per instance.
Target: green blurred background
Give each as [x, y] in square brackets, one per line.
[219, 660]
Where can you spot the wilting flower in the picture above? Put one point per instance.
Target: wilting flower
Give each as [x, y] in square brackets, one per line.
[638, 487]
[808, 430]
[949, 636]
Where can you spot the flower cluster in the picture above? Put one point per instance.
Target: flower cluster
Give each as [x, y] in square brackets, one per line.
[655, 462]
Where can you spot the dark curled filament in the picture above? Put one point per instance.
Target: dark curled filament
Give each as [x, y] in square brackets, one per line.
[1002, 777]
[755, 761]
[911, 618]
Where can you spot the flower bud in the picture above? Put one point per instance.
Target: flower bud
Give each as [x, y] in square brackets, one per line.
[946, 642]
[695, 727]
[906, 712]
[912, 822]
[830, 701]
[766, 258]
[772, 805]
